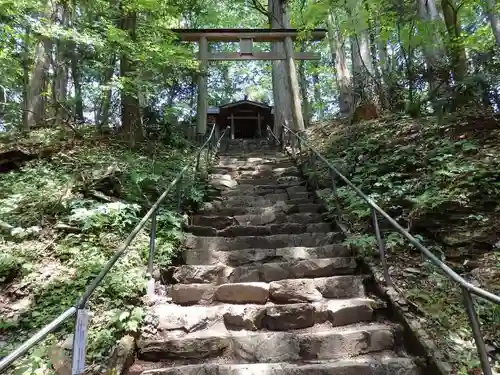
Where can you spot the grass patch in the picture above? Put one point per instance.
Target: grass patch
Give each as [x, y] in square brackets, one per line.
[63, 215]
[441, 181]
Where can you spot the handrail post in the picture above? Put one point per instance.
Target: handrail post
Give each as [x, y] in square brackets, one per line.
[381, 248]
[21, 350]
[335, 194]
[476, 332]
[282, 136]
[197, 168]
[314, 166]
[179, 194]
[152, 248]
[79, 341]
[208, 157]
[299, 144]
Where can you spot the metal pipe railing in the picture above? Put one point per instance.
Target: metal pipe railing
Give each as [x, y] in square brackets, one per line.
[81, 322]
[467, 288]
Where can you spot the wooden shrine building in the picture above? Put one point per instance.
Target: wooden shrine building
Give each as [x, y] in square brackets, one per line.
[245, 118]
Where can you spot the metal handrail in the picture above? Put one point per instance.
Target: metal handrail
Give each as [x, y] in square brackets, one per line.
[80, 331]
[467, 288]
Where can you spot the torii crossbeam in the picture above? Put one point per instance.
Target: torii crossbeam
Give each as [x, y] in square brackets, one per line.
[246, 37]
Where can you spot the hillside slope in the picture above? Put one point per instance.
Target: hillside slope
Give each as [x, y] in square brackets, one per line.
[66, 203]
[441, 181]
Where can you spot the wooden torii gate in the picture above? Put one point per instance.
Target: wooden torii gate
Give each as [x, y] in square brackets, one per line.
[246, 37]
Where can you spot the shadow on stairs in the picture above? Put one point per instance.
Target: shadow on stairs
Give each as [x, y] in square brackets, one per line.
[267, 287]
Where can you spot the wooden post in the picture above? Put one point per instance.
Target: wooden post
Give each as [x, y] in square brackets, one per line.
[201, 127]
[232, 125]
[298, 119]
[217, 131]
[259, 130]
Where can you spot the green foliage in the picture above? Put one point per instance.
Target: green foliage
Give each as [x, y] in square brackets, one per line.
[10, 266]
[114, 216]
[438, 180]
[363, 244]
[78, 233]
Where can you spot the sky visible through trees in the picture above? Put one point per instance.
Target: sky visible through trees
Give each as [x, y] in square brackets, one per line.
[112, 62]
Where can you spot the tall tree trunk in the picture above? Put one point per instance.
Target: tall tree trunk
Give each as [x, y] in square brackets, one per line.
[104, 108]
[456, 51]
[60, 79]
[35, 98]
[306, 107]
[362, 67]
[437, 75]
[362, 63]
[376, 69]
[281, 86]
[76, 76]
[433, 53]
[26, 82]
[75, 56]
[456, 47]
[494, 20]
[318, 101]
[130, 107]
[37, 84]
[339, 60]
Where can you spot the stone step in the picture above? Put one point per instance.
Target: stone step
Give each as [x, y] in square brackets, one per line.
[244, 197]
[241, 166]
[264, 190]
[246, 155]
[254, 164]
[248, 256]
[269, 180]
[226, 186]
[249, 195]
[218, 274]
[252, 159]
[187, 319]
[222, 222]
[253, 201]
[258, 230]
[268, 347]
[281, 292]
[278, 208]
[383, 363]
[261, 242]
[260, 173]
[272, 229]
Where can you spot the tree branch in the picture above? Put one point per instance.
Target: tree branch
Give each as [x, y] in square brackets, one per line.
[258, 6]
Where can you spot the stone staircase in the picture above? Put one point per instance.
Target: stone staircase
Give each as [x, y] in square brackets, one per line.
[267, 287]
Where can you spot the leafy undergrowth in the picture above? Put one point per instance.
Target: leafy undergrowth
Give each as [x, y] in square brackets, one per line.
[440, 181]
[63, 215]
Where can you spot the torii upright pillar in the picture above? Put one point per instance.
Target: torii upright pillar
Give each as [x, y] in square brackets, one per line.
[201, 124]
[247, 37]
[298, 118]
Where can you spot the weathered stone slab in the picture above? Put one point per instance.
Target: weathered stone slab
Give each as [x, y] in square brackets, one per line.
[247, 317]
[248, 256]
[274, 217]
[173, 317]
[261, 242]
[341, 286]
[293, 291]
[361, 365]
[265, 272]
[212, 274]
[243, 293]
[216, 222]
[190, 294]
[288, 317]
